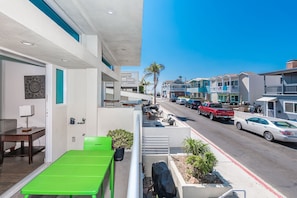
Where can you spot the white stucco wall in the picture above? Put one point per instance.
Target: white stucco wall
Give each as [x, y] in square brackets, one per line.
[82, 103]
[115, 118]
[176, 134]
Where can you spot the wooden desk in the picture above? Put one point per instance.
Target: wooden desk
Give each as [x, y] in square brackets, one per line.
[16, 135]
[76, 172]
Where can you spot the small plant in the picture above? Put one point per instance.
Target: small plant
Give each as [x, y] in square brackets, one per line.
[202, 164]
[196, 147]
[202, 160]
[121, 138]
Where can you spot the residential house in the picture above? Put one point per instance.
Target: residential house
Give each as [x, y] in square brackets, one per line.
[280, 97]
[199, 88]
[236, 88]
[129, 81]
[173, 89]
[225, 89]
[77, 46]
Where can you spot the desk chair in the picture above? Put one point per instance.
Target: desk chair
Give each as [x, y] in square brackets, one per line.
[98, 143]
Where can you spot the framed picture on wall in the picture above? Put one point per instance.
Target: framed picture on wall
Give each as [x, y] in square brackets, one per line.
[34, 87]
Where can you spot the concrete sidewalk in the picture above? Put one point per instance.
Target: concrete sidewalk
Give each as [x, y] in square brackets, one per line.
[245, 183]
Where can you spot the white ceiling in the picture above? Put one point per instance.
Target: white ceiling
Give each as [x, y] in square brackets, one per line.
[120, 32]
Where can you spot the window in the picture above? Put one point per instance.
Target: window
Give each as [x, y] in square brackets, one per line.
[290, 107]
[262, 121]
[270, 105]
[59, 86]
[46, 9]
[234, 82]
[107, 63]
[253, 120]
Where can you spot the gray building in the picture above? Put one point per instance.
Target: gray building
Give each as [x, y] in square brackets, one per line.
[280, 100]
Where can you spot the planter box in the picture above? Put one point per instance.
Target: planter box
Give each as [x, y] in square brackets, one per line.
[196, 190]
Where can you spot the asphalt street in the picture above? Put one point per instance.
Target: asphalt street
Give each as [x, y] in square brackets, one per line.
[274, 162]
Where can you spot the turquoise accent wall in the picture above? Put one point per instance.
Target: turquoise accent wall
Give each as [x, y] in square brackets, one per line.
[59, 86]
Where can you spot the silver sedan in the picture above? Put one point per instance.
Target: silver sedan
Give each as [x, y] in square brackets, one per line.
[270, 128]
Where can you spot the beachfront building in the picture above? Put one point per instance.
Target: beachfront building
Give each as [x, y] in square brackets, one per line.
[173, 89]
[236, 88]
[129, 81]
[199, 88]
[280, 96]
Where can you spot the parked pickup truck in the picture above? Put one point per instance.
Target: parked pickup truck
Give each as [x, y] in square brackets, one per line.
[215, 111]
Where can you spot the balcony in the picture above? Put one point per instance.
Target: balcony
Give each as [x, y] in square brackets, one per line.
[277, 90]
[225, 89]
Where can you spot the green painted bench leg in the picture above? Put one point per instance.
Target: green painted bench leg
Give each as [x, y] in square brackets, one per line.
[26, 196]
[102, 191]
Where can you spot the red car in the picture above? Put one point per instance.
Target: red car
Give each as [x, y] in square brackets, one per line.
[215, 111]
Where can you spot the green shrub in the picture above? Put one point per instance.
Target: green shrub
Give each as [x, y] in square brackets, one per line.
[196, 147]
[121, 138]
[202, 160]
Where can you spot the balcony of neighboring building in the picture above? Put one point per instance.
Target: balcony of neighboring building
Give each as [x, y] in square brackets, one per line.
[282, 89]
[198, 89]
[225, 89]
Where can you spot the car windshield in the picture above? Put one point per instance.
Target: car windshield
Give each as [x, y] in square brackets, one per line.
[283, 124]
[216, 105]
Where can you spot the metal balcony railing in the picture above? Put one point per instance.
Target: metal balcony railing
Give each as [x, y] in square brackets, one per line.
[287, 89]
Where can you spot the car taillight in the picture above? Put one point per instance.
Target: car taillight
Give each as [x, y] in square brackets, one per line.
[287, 133]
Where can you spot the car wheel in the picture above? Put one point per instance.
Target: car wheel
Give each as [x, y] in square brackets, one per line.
[199, 112]
[211, 116]
[238, 126]
[268, 136]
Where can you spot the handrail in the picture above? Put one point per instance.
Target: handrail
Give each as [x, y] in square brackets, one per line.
[135, 180]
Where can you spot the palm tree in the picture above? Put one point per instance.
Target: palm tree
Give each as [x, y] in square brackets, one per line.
[154, 69]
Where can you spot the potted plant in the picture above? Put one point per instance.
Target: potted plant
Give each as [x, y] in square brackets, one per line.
[202, 159]
[194, 172]
[121, 139]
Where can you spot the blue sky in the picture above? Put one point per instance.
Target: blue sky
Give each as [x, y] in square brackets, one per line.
[206, 38]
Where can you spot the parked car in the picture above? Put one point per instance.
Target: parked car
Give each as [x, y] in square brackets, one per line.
[270, 128]
[193, 103]
[215, 111]
[172, 99]
[181, 101]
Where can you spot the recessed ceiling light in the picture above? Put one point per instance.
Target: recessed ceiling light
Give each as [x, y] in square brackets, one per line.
[27, 43]
[110, 12]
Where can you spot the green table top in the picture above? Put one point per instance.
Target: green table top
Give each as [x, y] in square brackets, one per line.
[83, 160]
[89, 153]
[63, 185]
[77, 172]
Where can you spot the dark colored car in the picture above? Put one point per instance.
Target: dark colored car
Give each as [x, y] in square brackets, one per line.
[193, 103]
[172, 99]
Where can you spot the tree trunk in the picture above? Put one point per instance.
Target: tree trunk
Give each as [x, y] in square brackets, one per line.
[155, 87]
